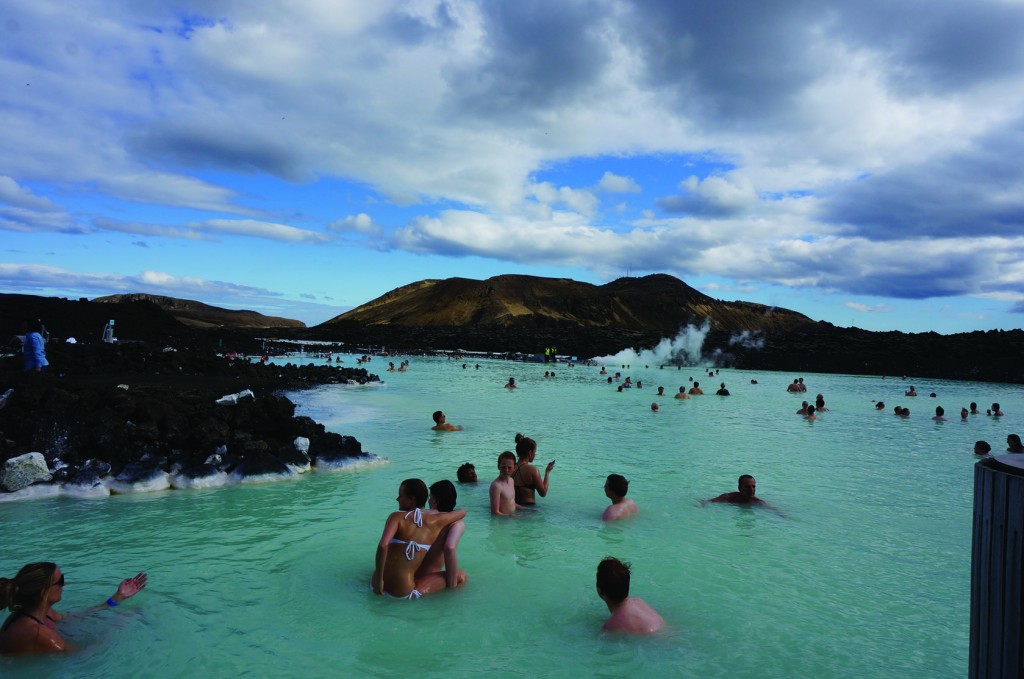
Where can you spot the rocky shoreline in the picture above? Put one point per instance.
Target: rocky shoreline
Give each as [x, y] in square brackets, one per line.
[133, 418]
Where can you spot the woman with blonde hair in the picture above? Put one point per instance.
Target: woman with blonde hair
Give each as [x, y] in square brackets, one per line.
[527, 478]
[31, 594]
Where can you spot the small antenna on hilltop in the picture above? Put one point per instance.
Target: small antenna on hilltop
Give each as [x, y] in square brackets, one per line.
[628, 272]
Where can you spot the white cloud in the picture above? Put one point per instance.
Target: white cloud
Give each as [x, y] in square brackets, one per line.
[613, 183]
[256, 229]
[360, 223]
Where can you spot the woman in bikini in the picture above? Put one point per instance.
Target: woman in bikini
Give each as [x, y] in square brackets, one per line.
[31, 594]
[527, 478]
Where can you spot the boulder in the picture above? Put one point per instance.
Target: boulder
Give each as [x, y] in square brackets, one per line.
[260, 466]
[24, 470]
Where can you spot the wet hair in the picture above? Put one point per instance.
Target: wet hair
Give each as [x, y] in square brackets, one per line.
[810, 410]
[507, 455]
[995, 407]
[819, 402]
[939, 411]
[739, 481]
[437, 416]
[444, 494]
[985, 447]
[525, 445]
[417, 490]
[613, 579]
[618, 484]
[1013, 440]
[879, 405]
[463, 473]
[29, 587]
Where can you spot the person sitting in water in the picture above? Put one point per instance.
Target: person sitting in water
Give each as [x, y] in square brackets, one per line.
[982, 448]
[897, 411]
[31, 594]
[526, 477]
[511, 383]
[722, 391]
[911, 391]
[904, 413]
[391, 366]
[1013, 444]
[629, 614]
[974, 408]
[996, 412]
[745, 495]
[615, 488]
[682, 393]
[810, 413]
[441, 423]
[939, 412]
[408, 534]
[466, 473]
[803, 409]
[963, 413]
[794, 387]
[654, 406]
[444, 552]
[695, 390]
[661, 391]
[819, 404]
[503, 489]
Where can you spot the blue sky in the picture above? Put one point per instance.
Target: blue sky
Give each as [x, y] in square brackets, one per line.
[856, 162]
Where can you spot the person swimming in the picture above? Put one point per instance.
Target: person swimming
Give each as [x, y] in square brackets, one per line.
[31, 595]
[526, 477]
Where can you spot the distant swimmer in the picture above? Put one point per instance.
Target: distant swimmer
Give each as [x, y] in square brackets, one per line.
[819, 404]
[939, 412]
[441, 423]
[503, 489]
[911, 391]
[722, 391]
[511, 383]
[682, 393]
[661, 391]
[794, 387]
[800, 383]
[391, 366]
[31, 595]
[974, 408]
[963, 413]
[695, 390]
[745, 495]
[982, 448]
[408, 534]
[629, 614]
[654, 406]
[466, 473]
[810, 413]
[1013, 444]
[905, 413]
[603, 371]
[897, 410]
[615, 488]
[880, 405]
[803, 409]
[996, 412]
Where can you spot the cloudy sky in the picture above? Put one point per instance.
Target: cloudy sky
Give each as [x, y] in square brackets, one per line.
[859, 162]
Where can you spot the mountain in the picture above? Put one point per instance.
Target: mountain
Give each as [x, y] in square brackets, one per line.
[513, 313]
[199, 315]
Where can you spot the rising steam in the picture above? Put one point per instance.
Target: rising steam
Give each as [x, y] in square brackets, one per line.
[684, 349]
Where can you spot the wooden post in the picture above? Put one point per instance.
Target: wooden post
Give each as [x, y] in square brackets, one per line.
[997, 555]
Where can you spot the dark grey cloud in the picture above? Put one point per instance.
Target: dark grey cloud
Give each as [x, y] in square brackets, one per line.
[204, 146]
[975, 192]
[540, 54]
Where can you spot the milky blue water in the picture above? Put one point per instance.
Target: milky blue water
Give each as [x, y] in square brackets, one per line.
[863, 572]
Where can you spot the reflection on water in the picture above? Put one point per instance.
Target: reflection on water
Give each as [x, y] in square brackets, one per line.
[866, 573]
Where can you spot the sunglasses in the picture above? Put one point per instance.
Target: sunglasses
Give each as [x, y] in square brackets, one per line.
[59, 583]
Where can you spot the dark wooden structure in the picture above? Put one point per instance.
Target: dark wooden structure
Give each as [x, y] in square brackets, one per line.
[997, 567]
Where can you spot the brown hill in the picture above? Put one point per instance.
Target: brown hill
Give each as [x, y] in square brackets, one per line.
[656, 303]
[199, 315]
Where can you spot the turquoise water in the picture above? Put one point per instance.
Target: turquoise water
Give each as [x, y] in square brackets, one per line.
[864, 572]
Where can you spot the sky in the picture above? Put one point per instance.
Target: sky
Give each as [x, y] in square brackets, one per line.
[858, 162]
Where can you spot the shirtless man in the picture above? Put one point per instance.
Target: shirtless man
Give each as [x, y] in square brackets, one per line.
[629, 614]
[939, 414]
[803, 409]
[503, 489]
[745, 495]
[511, 383]
[682, 393]
[615, 489]
[695, 390]
[441, 423]
[408, 533]
[444, 552]
[794, 387]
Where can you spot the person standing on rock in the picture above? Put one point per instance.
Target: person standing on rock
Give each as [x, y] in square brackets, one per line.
[34, 347]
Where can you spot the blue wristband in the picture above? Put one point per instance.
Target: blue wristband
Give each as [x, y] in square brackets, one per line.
[111, 602]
